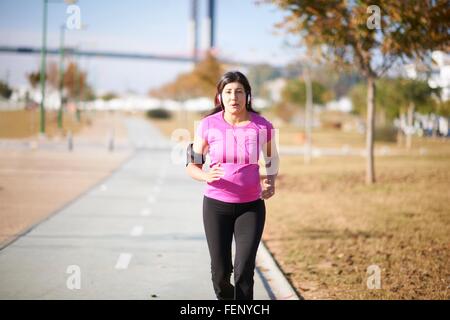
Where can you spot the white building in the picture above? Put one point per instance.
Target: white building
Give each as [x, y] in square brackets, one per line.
[440, 74]
[344, 104]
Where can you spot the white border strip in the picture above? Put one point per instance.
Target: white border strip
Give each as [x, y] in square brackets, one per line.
[273, 276]
[123, 261]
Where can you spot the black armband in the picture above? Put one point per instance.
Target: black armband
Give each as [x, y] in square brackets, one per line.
[193, 157]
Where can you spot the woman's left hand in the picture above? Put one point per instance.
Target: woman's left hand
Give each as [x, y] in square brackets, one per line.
[268, 188]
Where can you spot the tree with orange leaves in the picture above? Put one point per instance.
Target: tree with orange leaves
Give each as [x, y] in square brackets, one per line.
[370, 34]
[200, 82]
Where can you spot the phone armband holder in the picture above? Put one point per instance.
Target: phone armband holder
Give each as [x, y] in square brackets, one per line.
[192, 156]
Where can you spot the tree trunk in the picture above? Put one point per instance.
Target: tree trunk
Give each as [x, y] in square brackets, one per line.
[410, 125]
[400, 129]
[308, 116]
[370, 170]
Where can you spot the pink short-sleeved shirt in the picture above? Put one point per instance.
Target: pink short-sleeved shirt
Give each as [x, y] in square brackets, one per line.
[238, 149]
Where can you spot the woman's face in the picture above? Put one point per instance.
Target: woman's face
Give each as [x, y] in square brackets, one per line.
[234, 98]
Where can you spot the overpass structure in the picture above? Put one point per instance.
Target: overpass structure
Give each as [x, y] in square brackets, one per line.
[112, 54]
[193, 42]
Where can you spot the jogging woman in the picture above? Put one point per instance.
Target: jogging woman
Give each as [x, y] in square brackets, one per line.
[233, 205]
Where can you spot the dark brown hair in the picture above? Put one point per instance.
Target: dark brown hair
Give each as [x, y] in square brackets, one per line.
[229, 77]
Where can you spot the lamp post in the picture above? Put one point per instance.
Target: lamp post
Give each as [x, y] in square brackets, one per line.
[78, 83]
[61, 76]
[43, 67]
[193, 26]
[43, 62]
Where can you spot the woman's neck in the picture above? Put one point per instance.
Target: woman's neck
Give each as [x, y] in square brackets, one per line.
[235, 119]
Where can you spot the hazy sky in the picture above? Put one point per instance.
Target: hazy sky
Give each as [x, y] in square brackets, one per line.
[244, 31]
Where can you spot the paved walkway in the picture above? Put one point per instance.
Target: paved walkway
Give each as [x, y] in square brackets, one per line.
[136, 235]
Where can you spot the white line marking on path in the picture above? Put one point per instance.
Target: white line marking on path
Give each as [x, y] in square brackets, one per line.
[123, 261]
[137, 231]
[145, 212]
[151, 199]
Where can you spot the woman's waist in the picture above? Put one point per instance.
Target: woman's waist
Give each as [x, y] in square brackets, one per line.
[240, 172]
[238, 179]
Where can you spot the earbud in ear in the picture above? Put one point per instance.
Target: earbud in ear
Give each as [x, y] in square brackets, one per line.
[219, 100]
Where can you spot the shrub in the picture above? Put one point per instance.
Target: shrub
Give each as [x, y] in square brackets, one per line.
[385, 134]
[159, 114]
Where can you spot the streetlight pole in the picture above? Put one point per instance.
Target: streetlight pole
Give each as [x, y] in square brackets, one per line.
[78, 86]
[43, 67]
[61, 76]
[43, 62]
[193, 27]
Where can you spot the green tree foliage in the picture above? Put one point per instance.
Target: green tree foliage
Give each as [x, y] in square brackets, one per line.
[295, 92]
[443, 108]
[419, 92]
[159, 114]
[358, 96]
[394, 96]
[34, 78]
[109, 96]
[5, 90]
[339, 81]
[259, 74]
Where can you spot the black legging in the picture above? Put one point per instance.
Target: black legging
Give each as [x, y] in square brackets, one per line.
[246, 221]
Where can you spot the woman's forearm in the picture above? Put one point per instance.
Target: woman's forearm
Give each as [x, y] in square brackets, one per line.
[271, 178]
[272, 166]
[196, 172]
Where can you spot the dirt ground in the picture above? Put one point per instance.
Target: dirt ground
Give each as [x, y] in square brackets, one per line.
[328, 230]
[37, 181]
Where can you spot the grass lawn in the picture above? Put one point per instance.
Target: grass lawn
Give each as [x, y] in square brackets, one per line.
[17, 124]
[326, 227]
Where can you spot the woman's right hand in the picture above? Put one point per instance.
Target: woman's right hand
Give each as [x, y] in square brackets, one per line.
[215, 173]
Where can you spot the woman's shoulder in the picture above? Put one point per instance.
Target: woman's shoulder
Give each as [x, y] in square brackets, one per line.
[214, 115]
[210, 121]
[260, 120]
[211, 118]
